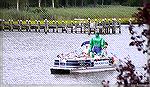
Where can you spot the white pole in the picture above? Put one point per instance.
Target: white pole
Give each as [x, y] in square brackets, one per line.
[17, 5]
[102, 2]
[53, 3]
[39, 3]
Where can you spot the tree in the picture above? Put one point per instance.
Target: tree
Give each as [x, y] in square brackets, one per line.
[67, 3]
[5, 4]
[102, 2]
[85, 2]
[143, 17]
[17, 5]
[21, 3]
[45, 1]
[95, 3]
[53, 3]
[134, 2]
[75, 3]
[82, 2]
[39, 3]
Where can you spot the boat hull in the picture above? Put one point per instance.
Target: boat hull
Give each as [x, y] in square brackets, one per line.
[60, 71]
[81, 66]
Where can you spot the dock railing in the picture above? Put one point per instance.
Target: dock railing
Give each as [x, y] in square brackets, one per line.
[105, 26]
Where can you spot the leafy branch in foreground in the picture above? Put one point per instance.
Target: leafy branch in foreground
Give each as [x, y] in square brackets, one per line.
[142, 17]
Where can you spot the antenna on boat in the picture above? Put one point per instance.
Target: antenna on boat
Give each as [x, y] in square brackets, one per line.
[59, 61]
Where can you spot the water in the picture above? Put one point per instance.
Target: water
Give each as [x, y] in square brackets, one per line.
[28, 56]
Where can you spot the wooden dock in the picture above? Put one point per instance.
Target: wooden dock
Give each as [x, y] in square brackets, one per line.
[103, 27]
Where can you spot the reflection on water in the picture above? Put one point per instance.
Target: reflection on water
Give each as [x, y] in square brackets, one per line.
[27, 57]
[88, 78]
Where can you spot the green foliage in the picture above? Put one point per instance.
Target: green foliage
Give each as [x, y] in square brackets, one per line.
[66, 3]
[134, 2]
[69, 13]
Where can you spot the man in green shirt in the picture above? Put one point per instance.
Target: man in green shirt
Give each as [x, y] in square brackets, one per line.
[96, 45]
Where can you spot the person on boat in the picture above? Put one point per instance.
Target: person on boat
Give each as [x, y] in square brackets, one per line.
[97, 43]
[85, 51]
[104, 51]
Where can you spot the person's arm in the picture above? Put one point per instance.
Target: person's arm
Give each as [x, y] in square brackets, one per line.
[91, 45]
[102, 43]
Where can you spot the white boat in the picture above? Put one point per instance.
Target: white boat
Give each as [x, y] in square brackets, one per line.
[73, 63]
[81, 66]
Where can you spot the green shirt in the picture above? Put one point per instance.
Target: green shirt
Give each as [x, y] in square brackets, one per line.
[97, 41]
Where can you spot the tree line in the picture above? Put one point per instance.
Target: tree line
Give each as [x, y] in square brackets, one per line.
[66, 3]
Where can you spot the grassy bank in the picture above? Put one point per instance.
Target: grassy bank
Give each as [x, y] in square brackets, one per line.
[122, 21]
[69, 13]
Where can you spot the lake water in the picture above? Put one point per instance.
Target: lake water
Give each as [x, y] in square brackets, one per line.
[28, 56]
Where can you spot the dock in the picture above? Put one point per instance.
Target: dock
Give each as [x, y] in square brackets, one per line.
[82, 27]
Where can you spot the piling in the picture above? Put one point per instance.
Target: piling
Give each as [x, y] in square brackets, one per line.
[20, 25]
[28, 24]
[84, 27]
[46, 29]
[109, 26]
[81, 24]
[72, 24]
[3, 24]
[99, 27]
[66, 26]
[105, 26]
[75, 27]
[38, 25]
[119, 23]
[53, 25]
[103, 23]
[114, 26]
[95, 26]
[57, 26]
[10, 24]
[89, 29]
[63, 27]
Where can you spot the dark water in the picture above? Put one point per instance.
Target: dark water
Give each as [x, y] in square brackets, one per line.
[27, 57]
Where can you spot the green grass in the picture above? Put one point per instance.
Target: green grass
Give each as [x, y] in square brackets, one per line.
[68, 14]
[118, 12]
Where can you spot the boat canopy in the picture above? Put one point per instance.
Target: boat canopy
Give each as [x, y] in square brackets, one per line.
[85, 42]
